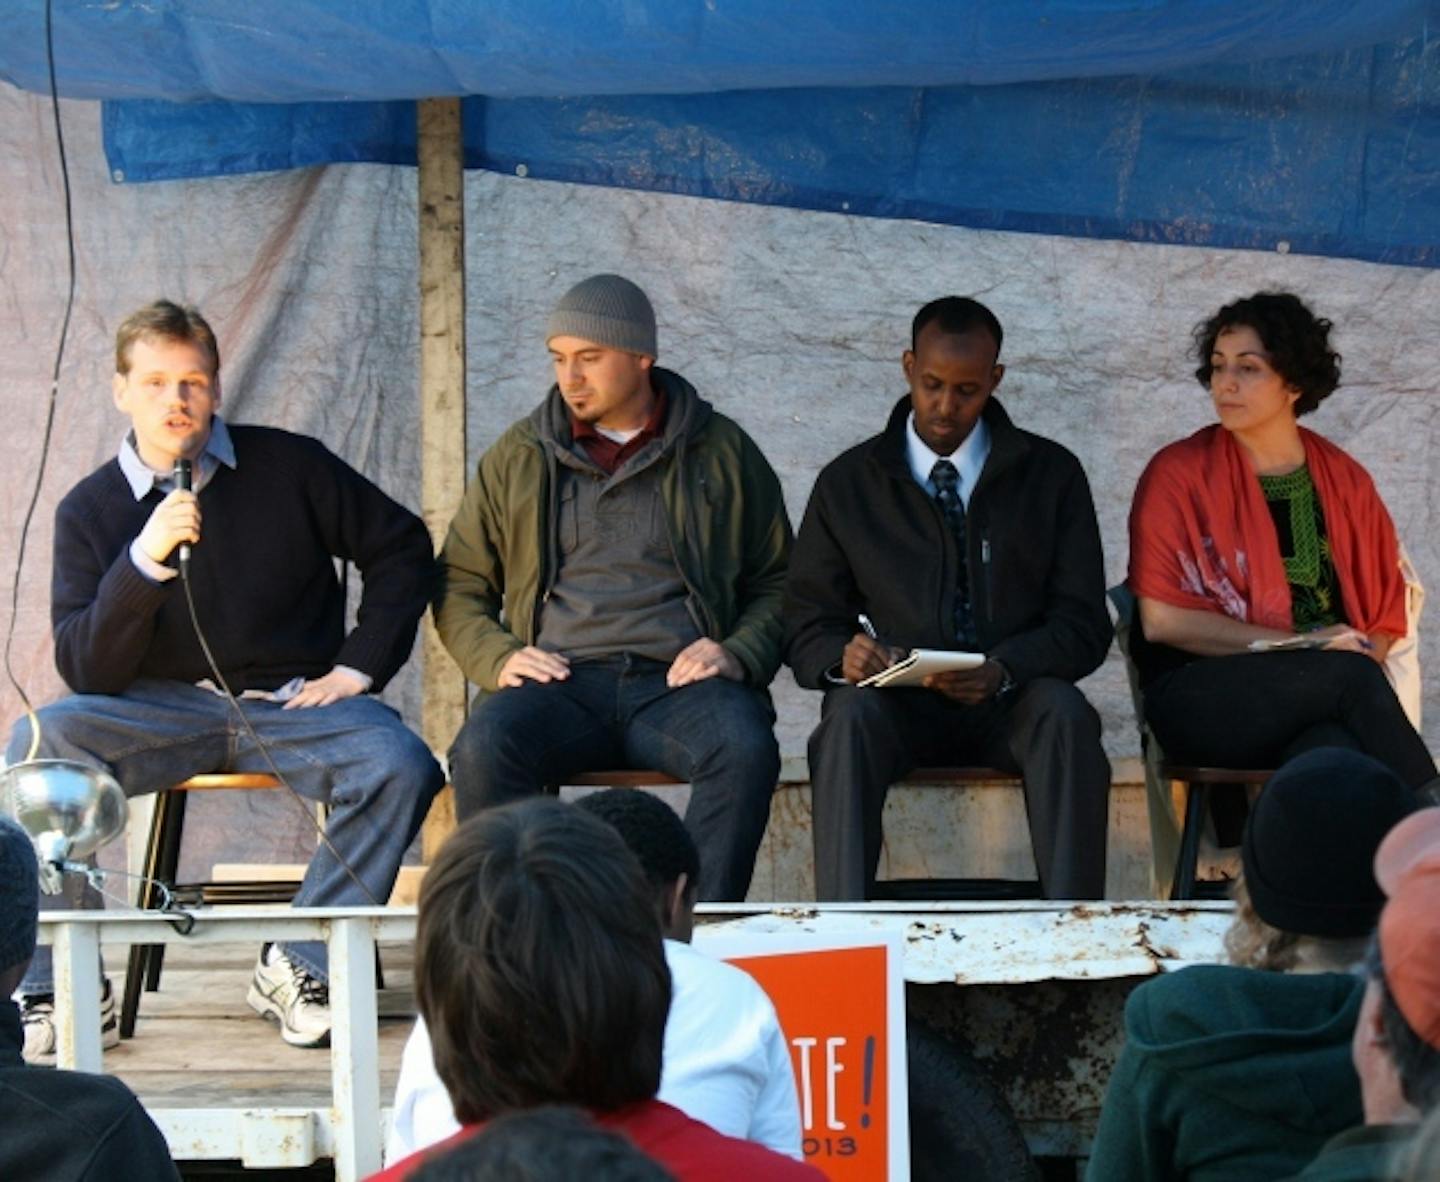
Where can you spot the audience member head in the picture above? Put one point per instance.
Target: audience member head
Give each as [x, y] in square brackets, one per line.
[548, 1144]
[658, 838]
[1307, 897]
[19, 904]
[1397, 1036]
[540, 970]
[165, 321]
[1296, 342]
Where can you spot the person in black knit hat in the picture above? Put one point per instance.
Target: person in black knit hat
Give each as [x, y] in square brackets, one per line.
[1308, 849]
[1243, 1071]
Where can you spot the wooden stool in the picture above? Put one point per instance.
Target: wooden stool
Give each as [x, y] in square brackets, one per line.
[1196, 782]
[894, 889]
[908, 890]
[162, 861]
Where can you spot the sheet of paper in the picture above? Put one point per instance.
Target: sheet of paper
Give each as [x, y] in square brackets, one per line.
[922, 662]
[1289, 644]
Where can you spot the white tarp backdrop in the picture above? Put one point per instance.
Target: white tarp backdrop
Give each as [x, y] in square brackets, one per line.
[792, 322]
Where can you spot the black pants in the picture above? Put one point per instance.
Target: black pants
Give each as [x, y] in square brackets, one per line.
[1256, 710]
[1047, 732]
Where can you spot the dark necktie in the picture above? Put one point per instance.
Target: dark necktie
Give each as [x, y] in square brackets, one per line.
[947, 495]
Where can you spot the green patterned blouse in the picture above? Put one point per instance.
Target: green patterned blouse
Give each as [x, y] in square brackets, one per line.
[1309, 566]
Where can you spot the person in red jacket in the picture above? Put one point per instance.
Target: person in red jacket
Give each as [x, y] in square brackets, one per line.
[540, 972]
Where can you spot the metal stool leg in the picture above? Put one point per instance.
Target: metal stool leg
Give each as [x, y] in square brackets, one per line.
[138, 965]
[169, 871]
[1197, 801]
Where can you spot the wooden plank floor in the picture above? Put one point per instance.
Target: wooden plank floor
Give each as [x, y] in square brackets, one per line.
[198, 1044]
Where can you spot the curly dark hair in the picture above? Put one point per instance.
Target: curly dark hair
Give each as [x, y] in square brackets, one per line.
[1297, 341]
[654, 832]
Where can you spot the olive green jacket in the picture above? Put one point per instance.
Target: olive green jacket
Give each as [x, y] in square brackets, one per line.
[727, 523]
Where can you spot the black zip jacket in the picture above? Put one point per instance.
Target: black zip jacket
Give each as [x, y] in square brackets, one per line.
[873, 541]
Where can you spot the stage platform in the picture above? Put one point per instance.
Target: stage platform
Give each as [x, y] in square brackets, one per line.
[198, 1045]
[224, 1088]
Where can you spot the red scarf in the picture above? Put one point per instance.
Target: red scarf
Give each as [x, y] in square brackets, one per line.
[1201, 535]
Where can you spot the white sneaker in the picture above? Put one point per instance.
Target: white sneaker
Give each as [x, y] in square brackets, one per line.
[37, 1013]
[287, 993]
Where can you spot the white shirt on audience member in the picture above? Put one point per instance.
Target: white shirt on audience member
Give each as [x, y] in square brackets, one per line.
[726, 1063]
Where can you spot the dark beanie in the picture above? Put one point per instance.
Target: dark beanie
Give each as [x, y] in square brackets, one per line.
[19, 894]
[1310, 842]
[609, 310]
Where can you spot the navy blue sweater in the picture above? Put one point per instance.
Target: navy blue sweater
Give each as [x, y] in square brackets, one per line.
[263, 574]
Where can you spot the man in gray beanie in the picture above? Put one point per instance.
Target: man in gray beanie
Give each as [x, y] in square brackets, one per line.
[57, 1124]
[613, 583]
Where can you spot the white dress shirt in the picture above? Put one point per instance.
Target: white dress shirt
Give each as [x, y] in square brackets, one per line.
[726, 1063]
[969, 458]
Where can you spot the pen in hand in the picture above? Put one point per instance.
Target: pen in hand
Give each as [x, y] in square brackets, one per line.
[868, 628]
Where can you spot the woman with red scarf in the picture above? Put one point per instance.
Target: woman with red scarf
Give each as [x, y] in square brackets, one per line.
[1255, 532]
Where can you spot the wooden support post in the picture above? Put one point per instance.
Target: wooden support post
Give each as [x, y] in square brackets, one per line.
[442, 405]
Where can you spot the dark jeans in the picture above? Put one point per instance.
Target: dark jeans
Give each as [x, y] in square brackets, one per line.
[1256, 710]
[617, 712]
[1047, 732]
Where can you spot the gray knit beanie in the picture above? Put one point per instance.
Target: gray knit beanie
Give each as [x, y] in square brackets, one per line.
[19, 894]
[606, 309]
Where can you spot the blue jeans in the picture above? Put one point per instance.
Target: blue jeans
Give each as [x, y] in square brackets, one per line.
[617, 712]
[376, 774]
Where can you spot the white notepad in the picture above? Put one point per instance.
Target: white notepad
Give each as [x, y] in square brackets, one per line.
[922, 662]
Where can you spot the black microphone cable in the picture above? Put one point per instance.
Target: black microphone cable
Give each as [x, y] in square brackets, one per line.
[54, 388]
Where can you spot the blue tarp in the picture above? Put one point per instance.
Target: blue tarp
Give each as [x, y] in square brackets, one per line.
[295, 51]
[1253, 124]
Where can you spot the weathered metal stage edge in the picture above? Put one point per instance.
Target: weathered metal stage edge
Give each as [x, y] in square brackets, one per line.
[1032, 990]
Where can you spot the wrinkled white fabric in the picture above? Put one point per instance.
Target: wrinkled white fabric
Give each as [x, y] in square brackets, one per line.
[792, 322]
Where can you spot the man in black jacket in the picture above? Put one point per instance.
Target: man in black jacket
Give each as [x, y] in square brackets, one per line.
[953, 529]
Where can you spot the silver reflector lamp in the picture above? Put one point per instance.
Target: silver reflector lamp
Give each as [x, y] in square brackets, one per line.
[68, 808]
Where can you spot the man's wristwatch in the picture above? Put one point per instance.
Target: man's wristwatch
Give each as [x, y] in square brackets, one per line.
[1007, 683]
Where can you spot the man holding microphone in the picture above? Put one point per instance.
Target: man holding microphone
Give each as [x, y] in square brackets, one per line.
[268, 514]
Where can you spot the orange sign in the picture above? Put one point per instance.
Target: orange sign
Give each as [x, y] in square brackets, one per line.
[838, 1010]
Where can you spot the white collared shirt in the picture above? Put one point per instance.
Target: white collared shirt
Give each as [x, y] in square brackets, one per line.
[969, 458]
[142, 478]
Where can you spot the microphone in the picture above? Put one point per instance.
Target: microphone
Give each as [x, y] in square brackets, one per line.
[181, 476]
